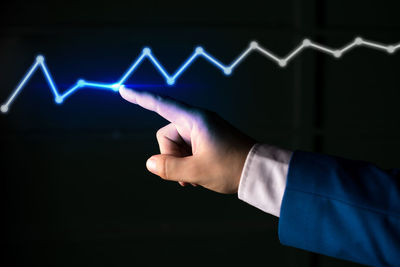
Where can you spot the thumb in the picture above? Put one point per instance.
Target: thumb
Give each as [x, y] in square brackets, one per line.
[172, 168]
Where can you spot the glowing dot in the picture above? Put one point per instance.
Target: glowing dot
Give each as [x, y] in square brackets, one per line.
[116, 87]
[390, 49]
[199, 50]
[59, 99]
[170, 81]
[358, 41]
[253, 44]
[306, 42]
[81, 83]
[337, 53]
[146, 51]
[4, 108]
[228, 71]
[282, 62]
[40, 59]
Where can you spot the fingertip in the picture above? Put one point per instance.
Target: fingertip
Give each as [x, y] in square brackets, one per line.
[151, 165]
[128, 94]
[122, 89]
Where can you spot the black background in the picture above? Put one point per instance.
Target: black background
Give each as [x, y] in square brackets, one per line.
[74, 186]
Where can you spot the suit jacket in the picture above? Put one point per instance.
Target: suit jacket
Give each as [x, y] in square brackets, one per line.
[342, 208]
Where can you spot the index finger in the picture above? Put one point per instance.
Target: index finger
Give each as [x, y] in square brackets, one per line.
[168, 108]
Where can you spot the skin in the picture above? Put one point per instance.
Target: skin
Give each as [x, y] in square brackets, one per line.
[197, 147]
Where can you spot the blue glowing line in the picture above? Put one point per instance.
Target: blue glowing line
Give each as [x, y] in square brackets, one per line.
[98, 85]
[185, 65]
[49, 78]
[171, 79]
[60, 99]
[21, 85]
[131, 69]
[160, 69]
[214, 61]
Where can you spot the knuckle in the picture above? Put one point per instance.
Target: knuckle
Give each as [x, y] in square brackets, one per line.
[159, 133]
[162, 132]
[164, 169]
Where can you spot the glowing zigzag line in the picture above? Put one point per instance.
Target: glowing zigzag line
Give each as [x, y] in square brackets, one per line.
[199, 52]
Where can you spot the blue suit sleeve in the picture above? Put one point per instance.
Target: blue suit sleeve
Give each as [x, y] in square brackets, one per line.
[342, 208]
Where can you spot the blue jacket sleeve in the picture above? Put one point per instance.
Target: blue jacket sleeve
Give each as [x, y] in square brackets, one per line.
[342, 208]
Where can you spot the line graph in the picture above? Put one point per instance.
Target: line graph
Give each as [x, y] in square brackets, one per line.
[60, 97]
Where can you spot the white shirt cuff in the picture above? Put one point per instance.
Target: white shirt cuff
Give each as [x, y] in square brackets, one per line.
[263, 180]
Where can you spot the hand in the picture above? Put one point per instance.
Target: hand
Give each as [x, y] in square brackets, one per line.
[197, 147]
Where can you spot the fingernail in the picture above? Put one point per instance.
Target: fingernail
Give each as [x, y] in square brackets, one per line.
[151, 165]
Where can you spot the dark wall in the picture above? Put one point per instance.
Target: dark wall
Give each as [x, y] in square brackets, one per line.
[74, 186]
